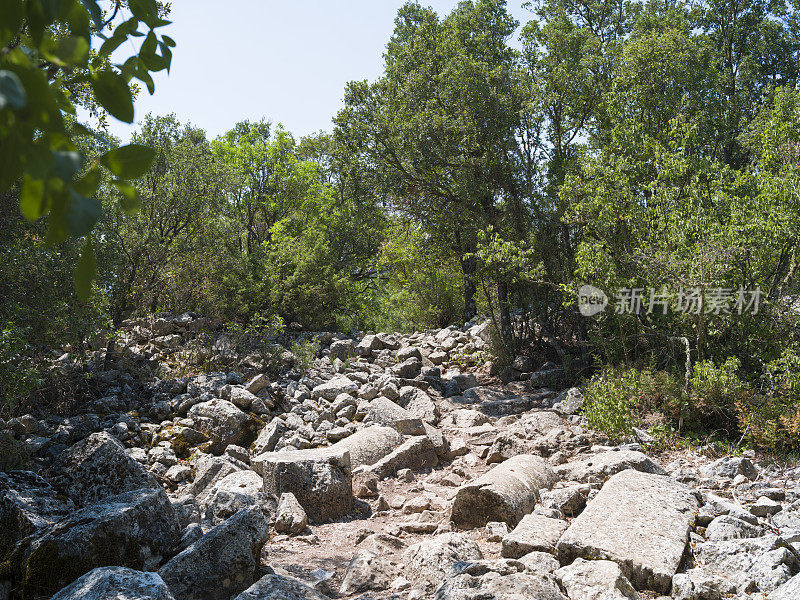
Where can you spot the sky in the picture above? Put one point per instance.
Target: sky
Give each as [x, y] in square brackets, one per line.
[287, 61]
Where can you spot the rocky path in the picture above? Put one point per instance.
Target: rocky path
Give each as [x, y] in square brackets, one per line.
[388, 470]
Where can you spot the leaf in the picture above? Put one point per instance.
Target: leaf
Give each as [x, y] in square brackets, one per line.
[145, 10]
[130, 201]
[88, 184]
[68, 51]
[85, 271]
[31, 198]
[168, 41]
[113, 94]
[12, 93]
[66, 164]
[11, 14]
[111, 44]
[94, 12]
[82, 214]
[129, 162]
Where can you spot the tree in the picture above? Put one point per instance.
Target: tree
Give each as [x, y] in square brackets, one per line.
[47, 68]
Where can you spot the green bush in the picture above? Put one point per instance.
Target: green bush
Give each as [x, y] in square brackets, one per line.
[305, 351]
[18, 374]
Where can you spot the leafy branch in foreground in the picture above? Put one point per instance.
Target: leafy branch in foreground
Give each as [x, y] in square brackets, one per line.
[48, 68]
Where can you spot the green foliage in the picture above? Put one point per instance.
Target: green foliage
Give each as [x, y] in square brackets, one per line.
[305, 351]
[18, 374]
[47, 69]
[14, 454]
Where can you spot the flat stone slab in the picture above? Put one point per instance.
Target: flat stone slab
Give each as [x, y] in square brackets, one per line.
[535, 533]
[640, 521]
[599, 467]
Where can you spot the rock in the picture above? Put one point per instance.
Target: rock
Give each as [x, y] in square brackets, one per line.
[730, 467]
[595, 580]
[222, 563]
[368, 345]
[540, 562]
[506, 493]
[277, 587]
[506, 580]
[257, 384]
[28, 505]
[209, 470]
[534, 533]
[599, 467]
[342, 349]
[496, 531]
[756, 564]
[432, 560]
[335, 386]
[408, 352]
[788, 591]
[383, 411]
[268, 437]
[368, 571]
[320, 479]
[695, 584]
[98, 467]
[224, 422]
[764, 507]
[242, 398]
[418, 403]
[227, 496]
[290, 519]
[727, 527]
[116, 583]
[569, 402]
[569, 501]
[135, 529]
[409, 368]
[416, 453]
[369, 445]
[640, 521]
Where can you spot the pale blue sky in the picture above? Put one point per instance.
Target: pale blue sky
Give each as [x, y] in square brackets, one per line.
[287, 61]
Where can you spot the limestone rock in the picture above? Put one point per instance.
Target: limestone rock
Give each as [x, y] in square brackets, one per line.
[417, 454]
[369, 445]
[222, 563]
[368, 571]
[600, 467]
[290, 518]
[98, 467]
[534, 533]
[277, 587]
[135, 529]
[640, 521]
[506, 493]
[226, 423]
[117, 583]
[595, 580]
[432, 560]
[383, 411]
[320, 479]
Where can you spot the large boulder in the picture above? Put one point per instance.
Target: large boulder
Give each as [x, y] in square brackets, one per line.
[290, 517]
[135, 529]
[28, 505]
[432, 560]
[320, 478]
[595, 580]
[98, 467]
[506, 493]
[416, 453]
[224, 422]
[335, 386]
[368, 571]
[116, 583]
[534, 533]
[369, 445]
[209, 470]
[506, 580]
[383, 411]
[232, 493]
[599, 467]
[788, 591]
[222, 563]
[278, 587]
[640, 521]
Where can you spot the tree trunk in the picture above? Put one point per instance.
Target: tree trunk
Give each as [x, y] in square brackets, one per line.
[506, 333]
[468, 267]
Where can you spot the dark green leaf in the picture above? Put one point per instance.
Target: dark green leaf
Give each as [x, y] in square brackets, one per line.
[82, 214]
[69, 51]
[85, 271]
[144, 10]
[31, 198]
[11, 14]
[111, 44]
[168, 41]
[12, 94]
[130, 200]
[113, 94]
[94, 12]
[66, 164]
[88, 184]
[129, 162]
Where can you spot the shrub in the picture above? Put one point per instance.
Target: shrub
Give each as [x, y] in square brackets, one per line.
[18, 375]
[305, 351]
